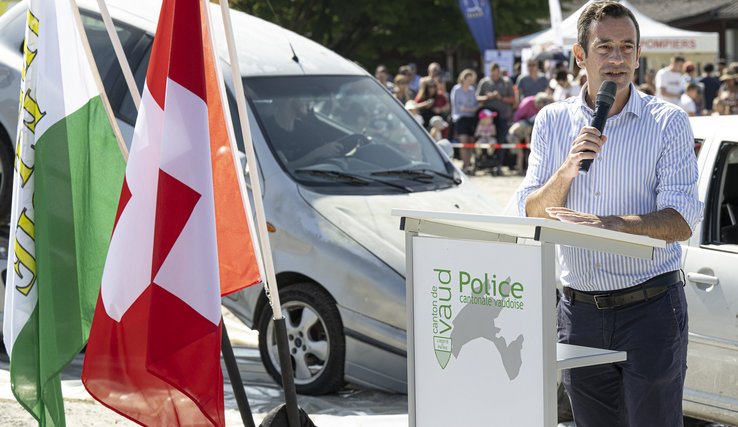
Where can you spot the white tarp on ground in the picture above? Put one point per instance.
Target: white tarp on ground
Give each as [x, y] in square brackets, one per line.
[655, 36]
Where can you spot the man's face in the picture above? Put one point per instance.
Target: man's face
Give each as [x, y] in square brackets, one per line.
[495, 73]
[677, 66]
[533, 69]
[612, 53]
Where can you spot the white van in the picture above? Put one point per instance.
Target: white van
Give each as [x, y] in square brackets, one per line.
[338, 254]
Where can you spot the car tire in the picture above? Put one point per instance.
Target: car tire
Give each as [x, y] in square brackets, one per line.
[7, 156]
[315, 336]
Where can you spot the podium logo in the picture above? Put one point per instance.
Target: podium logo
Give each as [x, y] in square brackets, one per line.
[442, 316]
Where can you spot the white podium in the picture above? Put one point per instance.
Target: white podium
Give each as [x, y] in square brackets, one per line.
[481, 325]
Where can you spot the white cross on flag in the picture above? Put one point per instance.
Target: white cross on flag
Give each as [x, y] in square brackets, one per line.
[154, 348]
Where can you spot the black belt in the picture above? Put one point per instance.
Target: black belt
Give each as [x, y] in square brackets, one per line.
[642, 292]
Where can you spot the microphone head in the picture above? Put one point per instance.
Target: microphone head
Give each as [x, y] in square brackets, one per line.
[606, 94]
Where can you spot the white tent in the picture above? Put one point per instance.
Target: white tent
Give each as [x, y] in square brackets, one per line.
[656, 38]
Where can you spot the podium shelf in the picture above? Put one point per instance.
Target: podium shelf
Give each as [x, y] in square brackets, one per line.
[575, 356]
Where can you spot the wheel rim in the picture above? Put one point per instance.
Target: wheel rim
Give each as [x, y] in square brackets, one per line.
[308, 340]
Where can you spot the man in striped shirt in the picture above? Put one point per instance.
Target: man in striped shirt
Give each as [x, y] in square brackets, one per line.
[642, 181]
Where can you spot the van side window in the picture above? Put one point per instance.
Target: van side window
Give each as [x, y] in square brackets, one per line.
[721, 209]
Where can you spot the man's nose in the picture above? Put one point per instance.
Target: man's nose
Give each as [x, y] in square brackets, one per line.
[616, 55]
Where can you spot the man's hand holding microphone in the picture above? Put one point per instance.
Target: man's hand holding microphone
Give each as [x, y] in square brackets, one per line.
[588, 143]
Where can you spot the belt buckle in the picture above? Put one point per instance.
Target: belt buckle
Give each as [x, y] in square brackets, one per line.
[597, 301]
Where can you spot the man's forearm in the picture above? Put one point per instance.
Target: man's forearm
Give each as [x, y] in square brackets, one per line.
[553, 193]
[666, 224]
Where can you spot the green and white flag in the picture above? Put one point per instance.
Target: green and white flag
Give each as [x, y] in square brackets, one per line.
[67, 180]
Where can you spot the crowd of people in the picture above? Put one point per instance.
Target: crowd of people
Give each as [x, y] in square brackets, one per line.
[511, 102]
[713, 91]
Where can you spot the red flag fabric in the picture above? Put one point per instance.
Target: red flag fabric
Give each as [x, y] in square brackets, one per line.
[237, 261]
[154, 348]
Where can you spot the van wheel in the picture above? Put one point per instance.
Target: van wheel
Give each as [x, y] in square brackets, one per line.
[315, 336]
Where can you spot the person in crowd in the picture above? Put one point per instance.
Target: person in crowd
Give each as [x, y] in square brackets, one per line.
[402, 88]
[565, 86]
[649, 80]
[431, 101]
[721, 66]
[486, 130]
[437, 127]
[612, 301]
[463, 113]
[515, 73]
[647, 89]
[533, 83]
[435, 73]
[414, 77]
[690, 99]
[669, 81]
[414, 109]
[382, 75]
[727, 97]
[522, 127]
[710, 86]
[690, 77]
[496, 93]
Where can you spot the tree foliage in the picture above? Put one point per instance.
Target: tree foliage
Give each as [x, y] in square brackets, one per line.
[368, 31]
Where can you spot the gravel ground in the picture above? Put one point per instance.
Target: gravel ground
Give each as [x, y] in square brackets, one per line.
[350, 408]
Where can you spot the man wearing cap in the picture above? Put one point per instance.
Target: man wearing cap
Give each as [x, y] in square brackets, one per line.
[643, 180]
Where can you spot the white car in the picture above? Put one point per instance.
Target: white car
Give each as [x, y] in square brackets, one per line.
[710, 264]
[338, 254]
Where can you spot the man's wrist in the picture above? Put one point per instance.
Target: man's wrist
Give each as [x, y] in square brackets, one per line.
[613, 222]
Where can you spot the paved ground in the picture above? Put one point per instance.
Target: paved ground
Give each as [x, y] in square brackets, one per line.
[352, 407]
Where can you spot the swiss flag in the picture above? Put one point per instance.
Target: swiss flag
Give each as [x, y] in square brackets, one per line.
[154, 348]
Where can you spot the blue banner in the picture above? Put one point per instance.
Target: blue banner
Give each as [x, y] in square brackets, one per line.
[478, 16]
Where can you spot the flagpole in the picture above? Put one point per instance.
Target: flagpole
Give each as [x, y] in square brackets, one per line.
[234, 148]
[98, 80]
[118, 48]
[239, 392]
[235, 376]
[288, 380]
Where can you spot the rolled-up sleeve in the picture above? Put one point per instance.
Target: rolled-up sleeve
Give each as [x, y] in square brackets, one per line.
[677, 171]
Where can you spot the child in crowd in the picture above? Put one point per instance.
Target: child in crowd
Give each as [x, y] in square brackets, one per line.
[486, 131]
[437, 126]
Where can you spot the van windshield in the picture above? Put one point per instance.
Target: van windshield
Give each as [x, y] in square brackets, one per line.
[329, 131]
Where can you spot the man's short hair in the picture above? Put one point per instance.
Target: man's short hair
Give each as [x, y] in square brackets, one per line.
[708, 68]
[494, 66]
[692, 86]
[597, 12]
[677, 58]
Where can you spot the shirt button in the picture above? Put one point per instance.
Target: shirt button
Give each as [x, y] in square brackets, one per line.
[598, 265]
[597, 194]
[599, 158]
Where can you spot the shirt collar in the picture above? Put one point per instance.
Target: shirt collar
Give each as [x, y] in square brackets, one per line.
[634, 105]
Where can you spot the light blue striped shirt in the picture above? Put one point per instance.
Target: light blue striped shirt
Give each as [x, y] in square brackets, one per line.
[646, 165]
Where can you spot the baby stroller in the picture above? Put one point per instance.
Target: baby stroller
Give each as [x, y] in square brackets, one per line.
[486, 157]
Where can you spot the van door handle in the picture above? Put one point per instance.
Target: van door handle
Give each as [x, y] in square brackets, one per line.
[702, 278]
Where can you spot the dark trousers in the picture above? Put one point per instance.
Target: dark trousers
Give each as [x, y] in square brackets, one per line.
[646, 389]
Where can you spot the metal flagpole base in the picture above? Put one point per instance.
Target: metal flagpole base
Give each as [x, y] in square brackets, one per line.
[288, 379]
[235, 375]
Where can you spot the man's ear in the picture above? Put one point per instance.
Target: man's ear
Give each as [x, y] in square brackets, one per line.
[578, 54]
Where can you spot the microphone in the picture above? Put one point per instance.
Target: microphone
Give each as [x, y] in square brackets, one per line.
[603, 102]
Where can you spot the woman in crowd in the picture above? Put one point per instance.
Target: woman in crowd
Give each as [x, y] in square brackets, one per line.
[463, 112]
